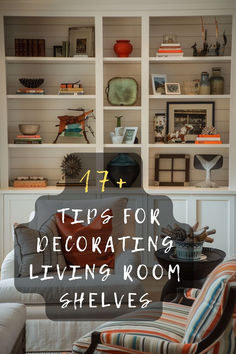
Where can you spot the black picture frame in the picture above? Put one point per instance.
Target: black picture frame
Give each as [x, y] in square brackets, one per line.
[57, 51]
[210, 118]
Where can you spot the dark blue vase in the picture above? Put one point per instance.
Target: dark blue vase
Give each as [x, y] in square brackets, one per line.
[123, 166]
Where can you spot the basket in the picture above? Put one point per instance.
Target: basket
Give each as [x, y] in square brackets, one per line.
[30, 183]
[189, 251]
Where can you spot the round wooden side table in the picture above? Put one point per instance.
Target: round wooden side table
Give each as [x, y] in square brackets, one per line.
[192, 273]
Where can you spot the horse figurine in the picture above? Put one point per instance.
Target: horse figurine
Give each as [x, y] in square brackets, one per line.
[179, 134]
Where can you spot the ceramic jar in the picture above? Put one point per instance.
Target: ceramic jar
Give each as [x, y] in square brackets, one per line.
[205, 88]
[123, 166]
[123, 48]
[189, 251]
[217, 82]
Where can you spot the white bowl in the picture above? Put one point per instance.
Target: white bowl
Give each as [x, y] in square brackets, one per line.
[29, 129]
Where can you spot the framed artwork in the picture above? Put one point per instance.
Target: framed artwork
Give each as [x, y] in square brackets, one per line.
[172, 169]
[198, 114]
[172, 88]
[57, 50]
[158, 84]
[129, 135]
[81, 41]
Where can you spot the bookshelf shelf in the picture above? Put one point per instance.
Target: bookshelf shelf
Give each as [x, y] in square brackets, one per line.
[49, 60]
[60, 97]
[191, 60]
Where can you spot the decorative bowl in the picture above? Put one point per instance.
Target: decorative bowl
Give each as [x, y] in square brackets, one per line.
[29, 129]
[189, 251]
[31, 83]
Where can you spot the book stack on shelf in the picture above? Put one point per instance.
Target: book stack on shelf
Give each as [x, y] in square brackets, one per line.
[170, 50]
[28, 139]
[71, 89]
[208, 139]
[29, 47]
[30, 91]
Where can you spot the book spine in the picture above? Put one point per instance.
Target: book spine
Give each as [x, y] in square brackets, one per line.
[28, 136]
[170, 51]
[17, 47]
[34, 47]
[209, 135]
[41, 47]
[21, 47]
[170, 44]
[208, 142]
[30, 47]
[208, 139]
[25, 47]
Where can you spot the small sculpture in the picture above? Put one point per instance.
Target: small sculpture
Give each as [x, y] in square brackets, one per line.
[189, 234]
[209, 130]
[71, 166]
[117, 135]
[208, 163]
[81, 120]
[179, 134]
[212, 49]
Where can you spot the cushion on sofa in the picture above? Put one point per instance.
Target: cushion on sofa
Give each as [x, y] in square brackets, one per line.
[96, 229]
[25, 244]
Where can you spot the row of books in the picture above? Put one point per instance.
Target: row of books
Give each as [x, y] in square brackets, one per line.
[208, 139]
[28, 139]
[29, 47]
[169, 50]
[30, 91]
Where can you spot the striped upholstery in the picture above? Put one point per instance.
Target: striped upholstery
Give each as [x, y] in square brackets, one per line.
[152, 330]
[209, 305]
[178, 329]
[191, 293]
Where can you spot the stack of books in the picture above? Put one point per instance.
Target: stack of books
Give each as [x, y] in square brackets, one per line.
[71, 91]
[28, 139]
[30, 91]
[170, 50]
[29, 47]
[208, 139]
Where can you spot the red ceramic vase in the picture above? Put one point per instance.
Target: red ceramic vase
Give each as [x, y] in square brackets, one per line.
[123, 48]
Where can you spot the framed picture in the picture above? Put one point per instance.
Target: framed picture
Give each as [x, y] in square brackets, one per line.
[57, 50]
[198, 114]
[172, 88]
[81, 41]
[129, 135]
[172, 169]
[158, 84]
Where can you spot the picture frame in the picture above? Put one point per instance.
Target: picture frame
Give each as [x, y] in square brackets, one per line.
[81, 41]
[198, 114]
[172, 170]
[129, 135]
[172, 88]
[158, 84]
[57, 50]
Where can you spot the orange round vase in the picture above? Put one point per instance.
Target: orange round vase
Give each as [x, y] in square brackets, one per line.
[123, 48]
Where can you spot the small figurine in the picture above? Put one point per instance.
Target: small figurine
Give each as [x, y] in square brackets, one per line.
[179, 134]
[77, 123]
[209, 131]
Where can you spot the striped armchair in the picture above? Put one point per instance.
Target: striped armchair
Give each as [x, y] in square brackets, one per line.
[209, 326]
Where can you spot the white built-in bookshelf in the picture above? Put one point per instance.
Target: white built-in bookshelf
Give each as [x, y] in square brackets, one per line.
[145, 33]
